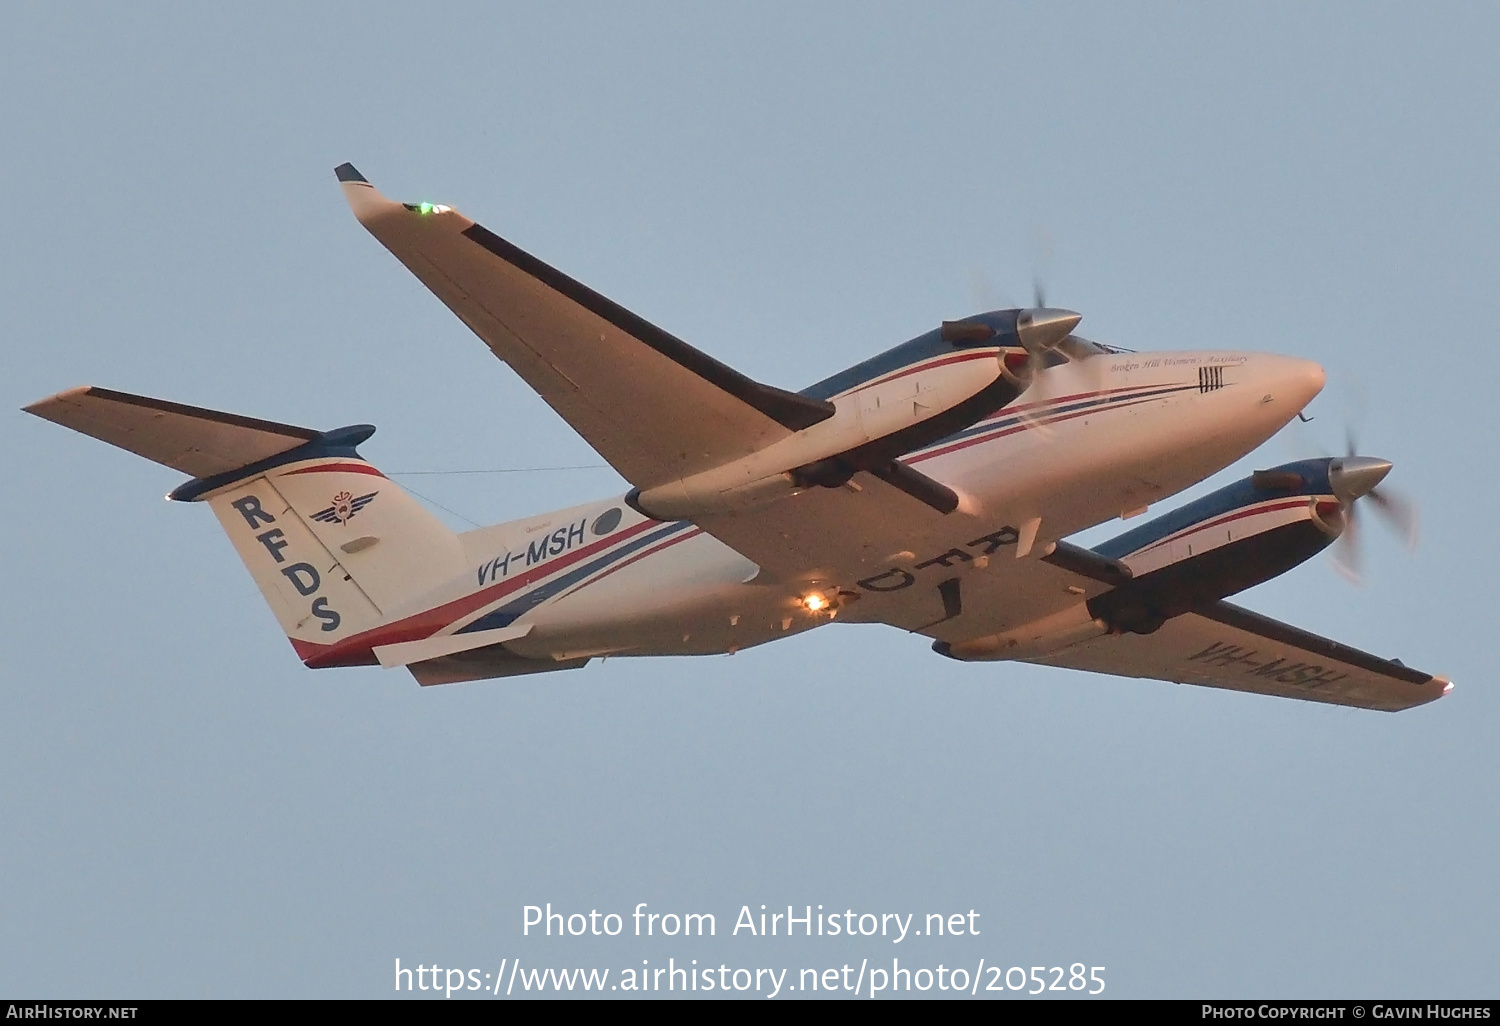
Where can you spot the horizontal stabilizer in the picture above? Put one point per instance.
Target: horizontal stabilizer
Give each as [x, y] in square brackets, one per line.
[195, 441]
[407, 652]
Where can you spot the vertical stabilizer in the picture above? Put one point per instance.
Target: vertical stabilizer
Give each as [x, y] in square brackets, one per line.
[335, 546]
[315, 599]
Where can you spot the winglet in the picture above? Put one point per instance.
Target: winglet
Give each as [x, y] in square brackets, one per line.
[363, 198]
[372, 209]
[347, 172]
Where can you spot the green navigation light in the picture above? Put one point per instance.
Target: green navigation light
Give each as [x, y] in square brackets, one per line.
[425, 208]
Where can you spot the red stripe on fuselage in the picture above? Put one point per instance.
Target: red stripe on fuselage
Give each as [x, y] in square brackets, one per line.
[668, 543]
[429, 622]
[356, 650]
[1010, 411]
[1024, 426]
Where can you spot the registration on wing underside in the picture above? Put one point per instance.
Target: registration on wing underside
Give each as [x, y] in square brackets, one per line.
[1227, 646]
[1225, 655]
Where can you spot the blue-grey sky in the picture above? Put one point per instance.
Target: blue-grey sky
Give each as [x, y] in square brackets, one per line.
[791, 187]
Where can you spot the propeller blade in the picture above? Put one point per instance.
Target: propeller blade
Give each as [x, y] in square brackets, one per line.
[1040, 330]
[1348, 559]
[1359, 477]
[1036, 392]
[1400, 513]
[1352, 478]
[1041, 263]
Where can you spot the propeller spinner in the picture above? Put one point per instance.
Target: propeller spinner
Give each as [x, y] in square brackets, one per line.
[1353, 478]
[1042, 328]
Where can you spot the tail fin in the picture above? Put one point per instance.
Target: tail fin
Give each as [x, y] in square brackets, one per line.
[334, 545]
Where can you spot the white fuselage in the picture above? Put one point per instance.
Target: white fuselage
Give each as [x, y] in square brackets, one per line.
[1089, 441]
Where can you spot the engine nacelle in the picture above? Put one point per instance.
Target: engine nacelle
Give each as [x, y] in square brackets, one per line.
[1221, 544]
[830, 452]
[1225, 542]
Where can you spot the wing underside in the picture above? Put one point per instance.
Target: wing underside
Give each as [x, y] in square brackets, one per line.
[1226, 646]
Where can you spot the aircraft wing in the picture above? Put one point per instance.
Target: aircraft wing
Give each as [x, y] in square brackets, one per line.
[1226, 646]
[653, 406]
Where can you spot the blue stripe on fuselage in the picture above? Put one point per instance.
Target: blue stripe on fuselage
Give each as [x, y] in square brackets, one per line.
[1010, 420]
[503, 616]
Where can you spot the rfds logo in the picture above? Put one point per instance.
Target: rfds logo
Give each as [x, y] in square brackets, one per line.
[345, 505]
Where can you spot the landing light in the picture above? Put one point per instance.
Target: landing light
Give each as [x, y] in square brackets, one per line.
[815, 603]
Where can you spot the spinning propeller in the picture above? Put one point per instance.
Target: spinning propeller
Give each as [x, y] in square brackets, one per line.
[1353, 478]
[1041, 329]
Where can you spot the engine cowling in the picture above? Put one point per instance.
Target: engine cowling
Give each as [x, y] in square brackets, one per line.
[911, 396]
[829, 452]
[1223, 543]
[1232, 539]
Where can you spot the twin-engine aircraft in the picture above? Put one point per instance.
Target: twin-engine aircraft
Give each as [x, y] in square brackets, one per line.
[929, 488]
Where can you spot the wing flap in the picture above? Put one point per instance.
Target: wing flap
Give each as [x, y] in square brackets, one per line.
[656, 408]
[1227, 646]
[190, 439]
